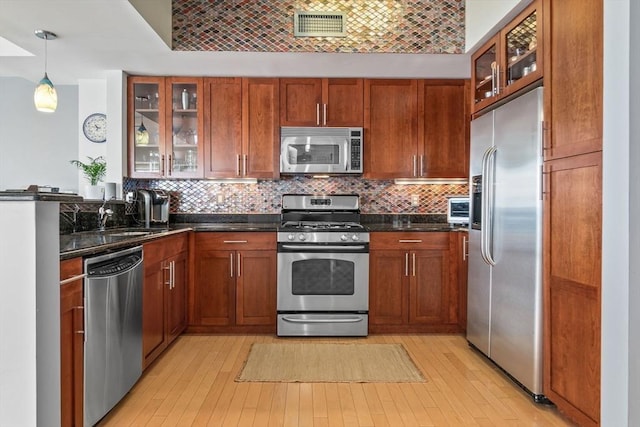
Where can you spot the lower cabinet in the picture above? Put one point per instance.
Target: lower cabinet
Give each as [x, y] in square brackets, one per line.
[164, 294]
[234, 288]
[462, 247]
[71, 342]
[413, 283]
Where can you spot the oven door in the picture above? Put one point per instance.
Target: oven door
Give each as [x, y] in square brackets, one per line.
[332, 278]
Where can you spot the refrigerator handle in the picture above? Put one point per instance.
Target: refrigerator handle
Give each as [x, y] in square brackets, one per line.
[488, 227]
[483, 207]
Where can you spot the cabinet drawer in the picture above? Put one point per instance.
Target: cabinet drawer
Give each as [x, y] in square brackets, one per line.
[408, 240]
[236, 241]
[70, 268]
[164, 248]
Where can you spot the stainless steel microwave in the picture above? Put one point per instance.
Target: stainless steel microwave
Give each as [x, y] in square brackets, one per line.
[321, 150]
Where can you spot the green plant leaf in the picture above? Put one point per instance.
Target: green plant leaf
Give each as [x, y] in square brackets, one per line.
[94, 170]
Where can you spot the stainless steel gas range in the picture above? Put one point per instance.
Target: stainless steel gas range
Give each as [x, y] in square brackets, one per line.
[323, 267]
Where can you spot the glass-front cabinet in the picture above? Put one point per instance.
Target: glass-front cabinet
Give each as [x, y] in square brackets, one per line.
[510, 61]
[165, 127]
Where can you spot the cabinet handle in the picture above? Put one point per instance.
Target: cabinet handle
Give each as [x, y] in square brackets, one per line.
[546, 140]
[170, 164]
[244, 172]
[238, 166]
[406, 263]
[413, 259]
[464, 248]
[76, 308]
[324, 114]
[421, 165]
[231, 262]
[163, 165]
[72, 279]
[168, 281]
[239, 264]
[415, 165]
[172, 272]
[410, 241]
[235, 241]
[498, 88]
[317, 114]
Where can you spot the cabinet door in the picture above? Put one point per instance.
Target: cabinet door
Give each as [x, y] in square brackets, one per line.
[260, 128]
[301, 102]
[463, 270]
[214, 287]
[146, 126]
[572, 262]
[444, 129]
[71, 344]
[154, 337]
[388, 296]
[177, 297]
[343, 102]
[390, 129]
[256, 288]
[485, 74]
[223, 127]
[429, 300]
[573, 77]
[185, 128]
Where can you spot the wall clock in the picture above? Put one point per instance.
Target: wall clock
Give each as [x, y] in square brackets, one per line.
[95, 127]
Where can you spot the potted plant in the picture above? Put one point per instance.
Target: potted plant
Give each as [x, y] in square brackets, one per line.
[94, 171]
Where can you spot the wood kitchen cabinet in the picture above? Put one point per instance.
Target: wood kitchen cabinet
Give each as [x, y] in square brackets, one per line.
[413, 283]
[573, 207]
[390, 128]
[321, 102]
[462, 257]
[443, 129]
[164, 294]
[71, 342]
[416, 129]
[510, 61]
[234, 288]
[165, 127]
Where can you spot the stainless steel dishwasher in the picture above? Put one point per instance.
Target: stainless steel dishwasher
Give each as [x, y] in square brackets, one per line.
[113, 329]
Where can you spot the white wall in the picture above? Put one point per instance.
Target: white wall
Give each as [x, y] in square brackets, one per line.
[92, 98]
[483, 17]
[36, 147]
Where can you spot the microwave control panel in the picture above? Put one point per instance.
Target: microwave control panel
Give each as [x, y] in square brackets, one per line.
[356, 151]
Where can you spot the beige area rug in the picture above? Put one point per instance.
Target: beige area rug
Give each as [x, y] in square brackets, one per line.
[328, 362]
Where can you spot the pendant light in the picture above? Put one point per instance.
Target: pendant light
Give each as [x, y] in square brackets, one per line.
[45, 97]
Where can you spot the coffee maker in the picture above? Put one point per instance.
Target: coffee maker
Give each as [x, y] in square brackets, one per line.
[153, 207]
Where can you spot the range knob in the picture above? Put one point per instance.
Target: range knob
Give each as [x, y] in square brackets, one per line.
[302, 237]
[291, 236]
[355, 237]
[344, 238]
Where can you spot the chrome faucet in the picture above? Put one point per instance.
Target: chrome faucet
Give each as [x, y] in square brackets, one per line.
[103, 215]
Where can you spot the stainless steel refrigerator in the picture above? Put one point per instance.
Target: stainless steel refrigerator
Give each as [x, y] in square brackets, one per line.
[505, 239]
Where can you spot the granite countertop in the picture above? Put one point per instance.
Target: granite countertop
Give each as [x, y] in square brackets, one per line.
[93, 242]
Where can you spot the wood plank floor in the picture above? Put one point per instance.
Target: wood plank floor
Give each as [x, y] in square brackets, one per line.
[192, 384]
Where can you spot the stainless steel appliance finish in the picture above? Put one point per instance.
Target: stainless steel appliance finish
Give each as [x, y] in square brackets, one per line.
[323, 267]
[153, 207]
[113, 330]
[458, 210]
[321, 150]
[505, 239]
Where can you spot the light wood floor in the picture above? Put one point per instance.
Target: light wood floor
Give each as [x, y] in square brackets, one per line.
[193, 384]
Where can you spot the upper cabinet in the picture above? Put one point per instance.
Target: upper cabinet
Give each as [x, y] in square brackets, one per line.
[321, 102]
[165, 127]
[416, 129]
[509, 61]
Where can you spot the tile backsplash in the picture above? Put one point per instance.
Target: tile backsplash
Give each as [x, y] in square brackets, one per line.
[389, 26]
[376, 197]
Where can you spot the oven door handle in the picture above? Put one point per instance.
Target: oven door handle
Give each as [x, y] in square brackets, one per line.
[334, 320]
[333, 248]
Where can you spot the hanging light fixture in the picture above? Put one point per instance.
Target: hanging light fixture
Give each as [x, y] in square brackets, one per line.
[45, 97]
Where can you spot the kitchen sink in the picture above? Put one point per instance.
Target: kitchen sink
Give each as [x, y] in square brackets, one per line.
[130, 233]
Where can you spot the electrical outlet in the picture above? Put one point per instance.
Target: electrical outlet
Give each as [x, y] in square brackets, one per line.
[129, 197]
[220, 198]
[415, 200]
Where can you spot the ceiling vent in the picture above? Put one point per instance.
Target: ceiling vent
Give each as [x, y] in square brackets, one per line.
[319, 24]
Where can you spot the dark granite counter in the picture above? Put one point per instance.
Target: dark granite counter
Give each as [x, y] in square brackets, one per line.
[38, 196]
[414, 227]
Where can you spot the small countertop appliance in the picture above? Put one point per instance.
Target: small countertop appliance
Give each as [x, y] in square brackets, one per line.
[153, 207]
